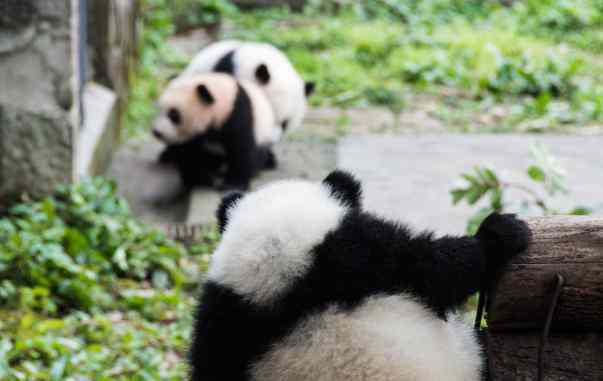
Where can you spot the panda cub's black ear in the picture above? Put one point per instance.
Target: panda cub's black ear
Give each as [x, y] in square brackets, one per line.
[309, 88]
[204, 94]
[345, 188]
[262, 74]
[228, 202]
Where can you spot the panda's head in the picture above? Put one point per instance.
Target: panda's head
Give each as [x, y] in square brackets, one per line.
[273, 72]
[268, 234]
[192, 105]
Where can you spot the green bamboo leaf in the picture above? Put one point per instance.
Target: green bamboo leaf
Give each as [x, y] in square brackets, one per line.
[457, 195]
[536, 173]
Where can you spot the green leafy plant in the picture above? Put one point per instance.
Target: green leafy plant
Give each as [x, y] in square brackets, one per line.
[75, 249]
[365, 53]
[104, 347]
[87, 292]
[189, 14]
[547, 179]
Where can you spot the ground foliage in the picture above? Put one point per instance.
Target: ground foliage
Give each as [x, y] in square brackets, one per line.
[87, 292]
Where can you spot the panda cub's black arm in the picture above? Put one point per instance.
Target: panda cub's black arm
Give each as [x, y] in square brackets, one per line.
[450, 269]
[370, 256]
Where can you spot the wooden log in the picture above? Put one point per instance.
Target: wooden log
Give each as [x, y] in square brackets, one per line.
[567, 357]
[568, 245]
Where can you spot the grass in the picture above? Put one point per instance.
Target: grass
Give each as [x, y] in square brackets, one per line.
[358, 60]
[87, 292]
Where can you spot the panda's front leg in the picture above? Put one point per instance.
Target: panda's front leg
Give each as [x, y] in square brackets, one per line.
[241, 159]
[454, 268]
[270, 161]
[169, 154]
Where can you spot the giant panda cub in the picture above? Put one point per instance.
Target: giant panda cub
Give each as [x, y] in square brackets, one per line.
[212, 119]
[306, 285]
[265, 65]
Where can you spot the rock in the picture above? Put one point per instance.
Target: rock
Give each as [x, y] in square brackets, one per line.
[14, 14]
[35, 152]
[36, 135]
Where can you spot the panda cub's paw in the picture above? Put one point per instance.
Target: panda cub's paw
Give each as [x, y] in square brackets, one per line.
[167, 156]
[503, 236]
[271, 162]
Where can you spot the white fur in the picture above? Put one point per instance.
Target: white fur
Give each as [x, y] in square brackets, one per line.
[208, 57]
[388, 338]
[264, 126]
[285, 90]
[269, 237]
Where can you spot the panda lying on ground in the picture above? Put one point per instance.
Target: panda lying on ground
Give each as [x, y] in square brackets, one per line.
[267, 67]
[305, 285]
[209, 120]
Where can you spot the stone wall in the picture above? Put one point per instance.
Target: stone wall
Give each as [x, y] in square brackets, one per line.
[35, 96]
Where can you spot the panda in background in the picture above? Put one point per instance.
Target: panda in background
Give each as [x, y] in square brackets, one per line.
[265, 65]
[211, 119]
[305, 285]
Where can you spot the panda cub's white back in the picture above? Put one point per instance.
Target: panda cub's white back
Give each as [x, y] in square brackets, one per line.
[386, 338]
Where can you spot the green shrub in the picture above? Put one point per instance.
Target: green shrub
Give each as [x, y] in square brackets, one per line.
[81, 346]
[78, 248]
[189, 14]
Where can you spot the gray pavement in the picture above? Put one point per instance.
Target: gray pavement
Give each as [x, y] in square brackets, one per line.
[152, 190]
[408, 177]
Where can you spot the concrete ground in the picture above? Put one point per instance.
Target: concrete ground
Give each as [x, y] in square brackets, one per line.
[152, 190]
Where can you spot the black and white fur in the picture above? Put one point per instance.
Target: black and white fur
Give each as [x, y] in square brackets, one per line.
[264, 65]
[305, 285]
[212, 120]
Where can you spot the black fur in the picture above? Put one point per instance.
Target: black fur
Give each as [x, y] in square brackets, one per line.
[197, 165]
[270, 161]
[364, 256]
[345, 188]
[204, 94]
[222, 213]
[285, 124]
[262, 75]
[243, 155]
[243, 158]
[309, 88]
[225, 64]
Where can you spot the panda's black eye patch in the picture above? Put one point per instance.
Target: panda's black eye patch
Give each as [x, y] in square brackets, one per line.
[174, 116]
[285, 124]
